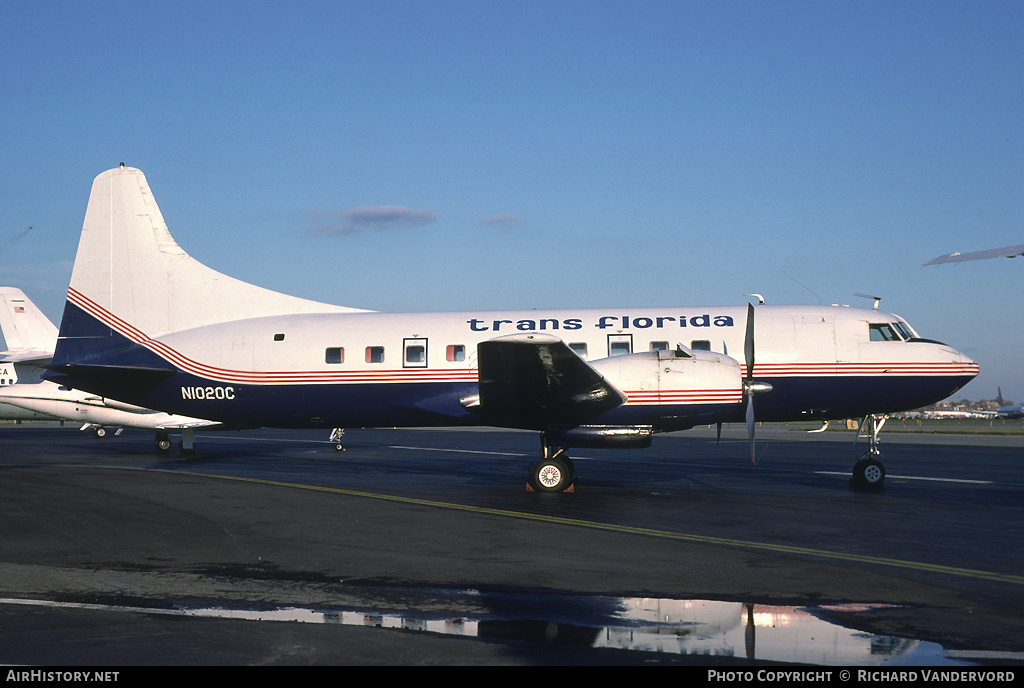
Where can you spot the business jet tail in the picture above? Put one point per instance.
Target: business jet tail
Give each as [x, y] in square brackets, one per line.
[26, 331]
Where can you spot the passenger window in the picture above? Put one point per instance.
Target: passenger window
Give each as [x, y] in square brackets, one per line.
[279, 337]
[700, 345]
[334, 354]
[883, 332]
[456, 352]
[375, 354]
[415, 355]
[580, 348]
[659, 346]
[620, 344]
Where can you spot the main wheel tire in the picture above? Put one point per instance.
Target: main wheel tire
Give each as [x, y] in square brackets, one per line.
[551, 475]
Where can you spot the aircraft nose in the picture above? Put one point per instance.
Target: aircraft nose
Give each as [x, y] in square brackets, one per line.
[964, 368]
[968, 363]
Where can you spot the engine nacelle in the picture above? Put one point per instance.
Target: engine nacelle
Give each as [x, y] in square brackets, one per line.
[679, 376]
[600, 436]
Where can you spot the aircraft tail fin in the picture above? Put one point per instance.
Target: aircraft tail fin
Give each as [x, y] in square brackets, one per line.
[131, 275]
[25, 328]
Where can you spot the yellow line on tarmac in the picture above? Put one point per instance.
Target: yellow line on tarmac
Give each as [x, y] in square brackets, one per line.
[630, 530]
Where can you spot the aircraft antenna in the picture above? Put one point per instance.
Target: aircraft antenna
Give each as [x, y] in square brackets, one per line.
[877, 299]
[801, 284]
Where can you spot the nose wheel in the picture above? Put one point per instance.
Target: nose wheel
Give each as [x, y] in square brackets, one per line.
[869, 472]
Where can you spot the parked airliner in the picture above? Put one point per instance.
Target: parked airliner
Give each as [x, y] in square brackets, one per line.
[25, 395]
[1008, 410]
[147, 324]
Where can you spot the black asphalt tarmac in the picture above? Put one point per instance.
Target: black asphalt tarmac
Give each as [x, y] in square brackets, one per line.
[425, 547]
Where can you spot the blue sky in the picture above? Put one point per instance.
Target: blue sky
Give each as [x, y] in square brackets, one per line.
[457, 155]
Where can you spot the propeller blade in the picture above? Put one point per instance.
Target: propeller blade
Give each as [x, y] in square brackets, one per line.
[748, 341]
[748, 354]
[750, 425]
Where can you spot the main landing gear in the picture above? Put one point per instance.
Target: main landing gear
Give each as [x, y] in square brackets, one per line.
[100, 432]
[554, 472]
[162, 441]
[868, 471]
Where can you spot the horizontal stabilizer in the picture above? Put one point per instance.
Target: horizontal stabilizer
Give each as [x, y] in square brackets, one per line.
[107, 381]
[533, 381]
[38, 357]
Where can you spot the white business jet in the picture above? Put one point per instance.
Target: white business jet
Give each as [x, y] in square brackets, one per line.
[25, 395]
[146, 323]
[30, 339]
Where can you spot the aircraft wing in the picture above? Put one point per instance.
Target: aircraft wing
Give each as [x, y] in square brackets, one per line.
[532, 381]
[1008, 252]
[181, 425]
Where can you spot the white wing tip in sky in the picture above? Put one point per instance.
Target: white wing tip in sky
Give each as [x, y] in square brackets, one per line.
[1008, 252]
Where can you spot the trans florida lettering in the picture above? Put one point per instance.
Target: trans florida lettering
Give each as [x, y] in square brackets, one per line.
[605, 322]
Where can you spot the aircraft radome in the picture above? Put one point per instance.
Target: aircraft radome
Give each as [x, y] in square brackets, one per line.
[25, 395]
[147, 324]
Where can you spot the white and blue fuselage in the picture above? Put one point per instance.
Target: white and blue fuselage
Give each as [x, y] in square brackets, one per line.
[415, 369]
[148, 325]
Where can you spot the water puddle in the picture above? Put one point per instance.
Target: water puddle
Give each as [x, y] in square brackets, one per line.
[682, 627]
[693, 628]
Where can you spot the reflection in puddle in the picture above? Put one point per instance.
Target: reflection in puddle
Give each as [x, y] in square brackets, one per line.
[762, 632]
[681, 627]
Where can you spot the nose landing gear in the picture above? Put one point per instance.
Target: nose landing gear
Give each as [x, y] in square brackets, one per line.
[869, 472]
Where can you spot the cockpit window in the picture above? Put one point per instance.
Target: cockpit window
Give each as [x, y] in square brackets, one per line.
[904, 330]
[907, 332]
[883, 332]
